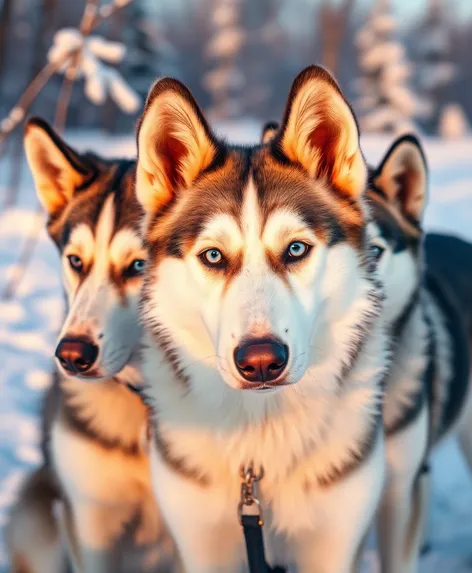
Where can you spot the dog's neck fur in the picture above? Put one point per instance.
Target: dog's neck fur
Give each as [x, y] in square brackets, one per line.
[404, 385]
[107, 410]
[327, 417]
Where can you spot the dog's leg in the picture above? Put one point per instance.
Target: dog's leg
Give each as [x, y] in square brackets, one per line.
[33, 538]
[358, 559]
[201, 520]
[65, 520]
[402, 509]
[93, 533]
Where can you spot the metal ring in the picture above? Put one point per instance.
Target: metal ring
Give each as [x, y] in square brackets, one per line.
[241, 506]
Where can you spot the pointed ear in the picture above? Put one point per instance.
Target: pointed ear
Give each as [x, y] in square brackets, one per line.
[269, 131]
[57, 169]
[175, 144]
[320, 133]
[403, 177]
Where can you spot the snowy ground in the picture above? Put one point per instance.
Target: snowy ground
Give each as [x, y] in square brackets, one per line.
[29, 321]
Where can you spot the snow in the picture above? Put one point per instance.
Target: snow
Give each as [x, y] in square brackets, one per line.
[29, 323]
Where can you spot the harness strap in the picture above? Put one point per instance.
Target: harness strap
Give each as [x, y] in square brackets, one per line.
[252, 524]
[254, 544]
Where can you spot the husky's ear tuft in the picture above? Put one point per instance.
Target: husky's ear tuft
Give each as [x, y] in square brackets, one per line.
[269, 131]
[320, 133]
[57, 169]
[175, 144]
[403, 177]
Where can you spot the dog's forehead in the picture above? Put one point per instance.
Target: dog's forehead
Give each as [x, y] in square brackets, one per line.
[113, 185]
[274, 186]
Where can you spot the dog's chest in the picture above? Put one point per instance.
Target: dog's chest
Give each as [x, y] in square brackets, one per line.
[89, 471]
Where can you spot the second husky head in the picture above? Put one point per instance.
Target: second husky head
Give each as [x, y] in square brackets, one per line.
[397, 195]
[94, 220]
[258, 264]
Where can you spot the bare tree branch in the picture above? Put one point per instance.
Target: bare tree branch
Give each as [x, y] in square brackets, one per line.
[91, 19]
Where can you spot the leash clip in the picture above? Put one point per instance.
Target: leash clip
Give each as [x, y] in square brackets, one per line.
[248, 498]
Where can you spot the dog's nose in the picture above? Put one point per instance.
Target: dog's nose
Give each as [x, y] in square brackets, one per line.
[76, 355]
[261, 360]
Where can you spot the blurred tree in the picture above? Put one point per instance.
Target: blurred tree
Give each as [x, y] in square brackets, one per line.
[266, 41]
[434, 68]
[225, 80]
[333, 25]
[386, 103]
[5, 15]
[190, 27]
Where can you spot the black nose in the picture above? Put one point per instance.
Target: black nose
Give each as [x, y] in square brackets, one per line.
[261, 360]
[76, 355]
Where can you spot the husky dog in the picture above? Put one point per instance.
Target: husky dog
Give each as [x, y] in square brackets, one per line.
[426, 388]
[264, 345]
[94, 425]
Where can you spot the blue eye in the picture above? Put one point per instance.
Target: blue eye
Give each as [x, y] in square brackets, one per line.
[135, 268]
[213, 258]
[76, 263]
[297, 251]
[377, 251]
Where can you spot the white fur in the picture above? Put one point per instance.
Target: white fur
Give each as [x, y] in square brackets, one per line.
[409, 364]
[299, 432]
[444, 353]
[399, 272]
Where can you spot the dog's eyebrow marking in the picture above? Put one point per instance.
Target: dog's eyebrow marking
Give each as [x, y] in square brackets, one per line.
[125, 243]
[81, 242]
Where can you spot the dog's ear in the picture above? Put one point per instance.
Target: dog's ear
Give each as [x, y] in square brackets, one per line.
[269, 131]
[175, 144]
[320, 133]
[57, 169]
[403, 177]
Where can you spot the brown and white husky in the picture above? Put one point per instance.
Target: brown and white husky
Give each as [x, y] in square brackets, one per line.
[264, 344]
[94, 425]
[429, 310]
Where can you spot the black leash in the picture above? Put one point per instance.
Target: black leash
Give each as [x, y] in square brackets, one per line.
[252, 524]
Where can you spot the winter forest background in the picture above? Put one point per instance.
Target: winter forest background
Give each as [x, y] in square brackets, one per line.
[395, 64]
[86, 66]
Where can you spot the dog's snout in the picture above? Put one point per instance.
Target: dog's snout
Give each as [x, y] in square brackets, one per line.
[261, 360]
[76, 355]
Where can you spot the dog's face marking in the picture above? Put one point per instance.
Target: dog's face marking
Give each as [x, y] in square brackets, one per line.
[397, 196]
[257, 247]
[94, 219]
